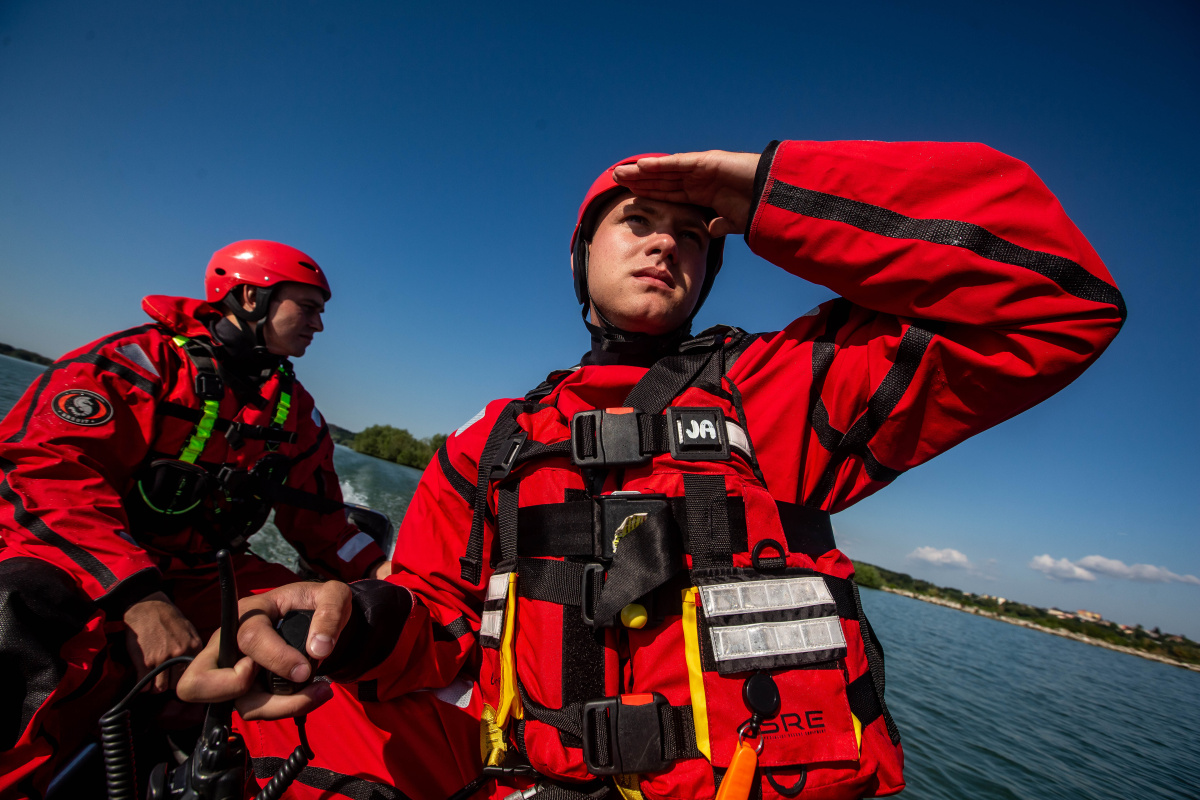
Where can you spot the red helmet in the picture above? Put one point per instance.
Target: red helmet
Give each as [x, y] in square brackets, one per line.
[260, 263]
[603, 189]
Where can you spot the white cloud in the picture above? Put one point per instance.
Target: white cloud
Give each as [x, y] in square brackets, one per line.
[1088, 567]
[947, 557]
[1134, 572]
[1060, 569]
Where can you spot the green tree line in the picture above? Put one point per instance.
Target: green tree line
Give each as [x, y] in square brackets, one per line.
[398, 445]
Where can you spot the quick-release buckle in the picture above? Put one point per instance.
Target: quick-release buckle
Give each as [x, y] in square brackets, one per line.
[606, 437]
[697, 434]
[507, 455]
[634, 731]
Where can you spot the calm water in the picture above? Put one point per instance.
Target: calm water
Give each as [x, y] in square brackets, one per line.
[986, 710]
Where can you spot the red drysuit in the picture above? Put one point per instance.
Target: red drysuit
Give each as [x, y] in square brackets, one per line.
[966, 297]
[71, 451]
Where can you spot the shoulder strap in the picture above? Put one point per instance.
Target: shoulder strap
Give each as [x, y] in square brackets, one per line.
[209, 388]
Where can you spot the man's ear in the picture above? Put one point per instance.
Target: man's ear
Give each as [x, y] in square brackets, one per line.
[249, 297]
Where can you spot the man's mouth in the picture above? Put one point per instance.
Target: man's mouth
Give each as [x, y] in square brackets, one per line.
[656, 275]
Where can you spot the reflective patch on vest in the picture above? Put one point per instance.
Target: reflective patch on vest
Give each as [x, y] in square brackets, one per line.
[471, 421]
[137, 355]
[723, 599]
[81, 407]
[812, 312]
[765, 639]
[738, 440]
[354, 546]
[491, 626]
[317, 419]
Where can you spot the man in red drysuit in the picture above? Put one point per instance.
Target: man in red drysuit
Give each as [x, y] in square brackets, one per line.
[635, 560]
[123, 469]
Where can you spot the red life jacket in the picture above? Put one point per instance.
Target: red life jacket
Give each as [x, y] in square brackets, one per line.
[619, 628]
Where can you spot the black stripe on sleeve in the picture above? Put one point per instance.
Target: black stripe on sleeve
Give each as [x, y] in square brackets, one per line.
[452, 631]
[34, 524]
[1070, 276]
[461, 485]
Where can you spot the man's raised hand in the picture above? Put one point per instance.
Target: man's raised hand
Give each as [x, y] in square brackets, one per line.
[204, 682]
[719, 179]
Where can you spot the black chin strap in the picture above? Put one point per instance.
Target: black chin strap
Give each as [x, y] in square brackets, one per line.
[247, 356]
[612, 339]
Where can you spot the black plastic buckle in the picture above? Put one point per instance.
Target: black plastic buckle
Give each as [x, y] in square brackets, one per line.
[235, 436]
[209, 386]
[634, 732]
[617, 439]
[697, 434]
[587, 597]
[508, 455]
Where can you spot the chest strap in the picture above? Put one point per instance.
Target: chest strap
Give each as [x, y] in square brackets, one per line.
[210, 389]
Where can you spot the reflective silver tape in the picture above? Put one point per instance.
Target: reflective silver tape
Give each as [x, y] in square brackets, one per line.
[353, 546]
[134, 352]
[759, 639]
[492, 624]
[771, 595]
[737, 438]
[497, 587]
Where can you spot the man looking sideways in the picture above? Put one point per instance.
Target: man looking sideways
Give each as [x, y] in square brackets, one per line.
[127, 465]
[635, 560]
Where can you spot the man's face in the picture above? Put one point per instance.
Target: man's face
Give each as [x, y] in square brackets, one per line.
[646, 264]
[294, 318]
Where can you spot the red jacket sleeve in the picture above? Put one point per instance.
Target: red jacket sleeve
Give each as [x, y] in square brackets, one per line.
[439, 637]
[967, 296]
[68, 449]
[327, 541]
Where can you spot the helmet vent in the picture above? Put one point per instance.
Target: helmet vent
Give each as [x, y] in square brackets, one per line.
[219, 271]
[313, 267]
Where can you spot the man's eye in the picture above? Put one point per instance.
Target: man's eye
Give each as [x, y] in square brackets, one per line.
[695, 237]
[638, 218]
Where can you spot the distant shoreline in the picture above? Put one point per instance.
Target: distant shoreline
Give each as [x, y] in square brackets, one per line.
[1079, 637]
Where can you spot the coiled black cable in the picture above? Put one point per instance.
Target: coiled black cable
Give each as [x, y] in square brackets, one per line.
[291, 769]
[116, 738]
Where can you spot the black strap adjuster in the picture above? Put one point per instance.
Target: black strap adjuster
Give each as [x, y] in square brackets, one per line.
[606, 437]
[623, 734]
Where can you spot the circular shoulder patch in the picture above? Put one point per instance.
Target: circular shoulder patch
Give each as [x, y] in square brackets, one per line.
[81, 407]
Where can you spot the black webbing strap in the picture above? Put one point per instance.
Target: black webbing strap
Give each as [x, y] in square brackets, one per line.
[874, 653]
[708, 521]
[566, 529]
[569, 718]
[558, 582]
[675, 723]
[244, 430]
[666, 380]
[471, 562]
[465, 489]
[507, 502]
[555, 790]
[641, 563]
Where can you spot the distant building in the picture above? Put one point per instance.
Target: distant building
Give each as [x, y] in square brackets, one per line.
[1054, 612]
[1089, 616]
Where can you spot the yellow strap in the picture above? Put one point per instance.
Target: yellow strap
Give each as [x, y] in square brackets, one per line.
[857, 732]
[627, 785]
[281, 410]
[510, 698]
[691, 650]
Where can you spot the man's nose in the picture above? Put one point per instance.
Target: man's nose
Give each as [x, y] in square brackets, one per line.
[664, 243]
[318, 324]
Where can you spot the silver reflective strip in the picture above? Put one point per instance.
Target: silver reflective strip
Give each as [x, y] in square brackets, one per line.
[773, 595]
[497, 586]
[737, 438]
[316, 417]
[761, 639]
[137, 355]
[471, 421]
[354, 546]
[492, 624]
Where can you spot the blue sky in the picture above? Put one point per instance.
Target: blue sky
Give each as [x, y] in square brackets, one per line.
[432, 158]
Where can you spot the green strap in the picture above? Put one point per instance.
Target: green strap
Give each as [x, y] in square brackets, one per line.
[204, 428]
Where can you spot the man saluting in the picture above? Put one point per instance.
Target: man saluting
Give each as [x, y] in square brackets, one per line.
[635, 560]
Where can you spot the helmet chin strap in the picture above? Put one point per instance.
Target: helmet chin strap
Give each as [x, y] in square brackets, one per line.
[616, 340]
[245, 342]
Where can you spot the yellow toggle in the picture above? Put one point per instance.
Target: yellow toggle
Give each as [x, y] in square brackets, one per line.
[634, 616]
[492, 745]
